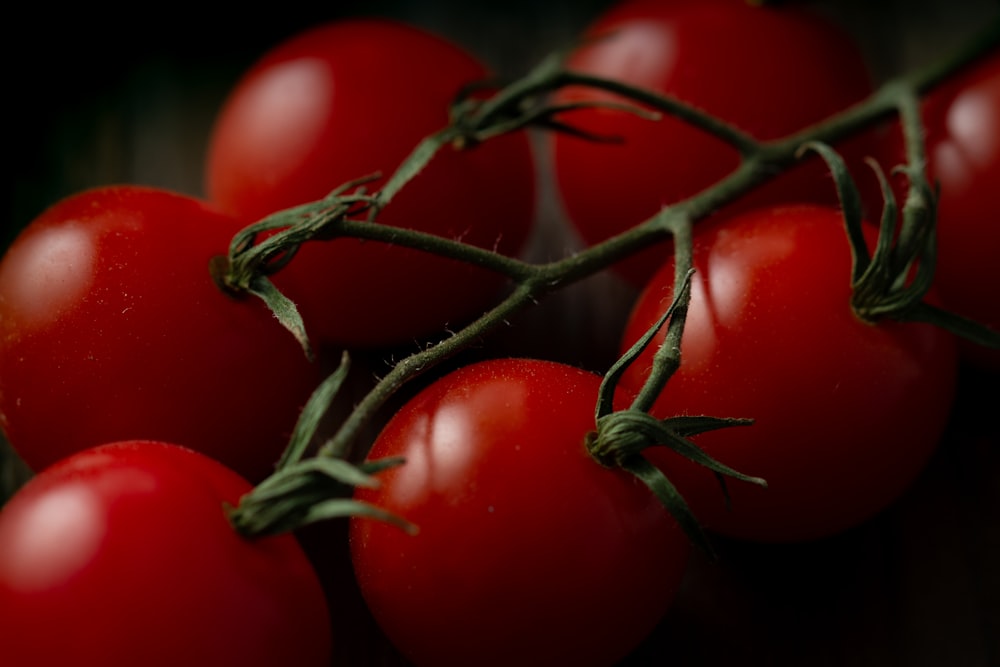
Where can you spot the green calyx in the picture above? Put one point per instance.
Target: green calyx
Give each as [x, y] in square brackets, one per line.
[893, 279]
[306, 490]
[622, 436]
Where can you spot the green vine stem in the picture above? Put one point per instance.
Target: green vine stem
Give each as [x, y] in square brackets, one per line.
[305, 490]
[623, 435]
[348, 212]
[523, 104]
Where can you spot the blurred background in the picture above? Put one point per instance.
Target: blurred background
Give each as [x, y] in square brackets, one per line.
[99, 96]
[105, 96]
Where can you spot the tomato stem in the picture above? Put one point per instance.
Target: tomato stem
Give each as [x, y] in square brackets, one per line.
[350, 211]
[667, 358]
[892, 280]
[344, 442]
[621, 436]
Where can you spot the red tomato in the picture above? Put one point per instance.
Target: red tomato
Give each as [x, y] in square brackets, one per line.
[346, 100]
[769, 72]
[962, 123]
[122, 555]
[527, 546]
[847, 412]
[113, 329]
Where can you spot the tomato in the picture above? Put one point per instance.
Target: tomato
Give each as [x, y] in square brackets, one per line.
[346, 100]
[528, 551]
[846, 412]
[111, 328]
[122, 555]
[767, 71]
[962, 125]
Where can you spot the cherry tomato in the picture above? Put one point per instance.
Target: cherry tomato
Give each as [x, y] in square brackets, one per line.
[962, 125]
[346, 100]
[846, 412]
[767, 71]
[113, 329]
[122, 555]
[528, 551]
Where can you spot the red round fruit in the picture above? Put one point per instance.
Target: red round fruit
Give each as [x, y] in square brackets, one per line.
[846, 412]
[122, 555]
[528, 551]
[767, 71]
[111, 328]
[346, 100]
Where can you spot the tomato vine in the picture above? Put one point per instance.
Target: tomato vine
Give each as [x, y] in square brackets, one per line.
[444, 508]
[351, 212]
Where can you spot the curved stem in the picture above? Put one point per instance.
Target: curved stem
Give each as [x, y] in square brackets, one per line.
[743, 142]
[667, 358]
[919, 208]
[343, 443]
[513, 268]
[415, 162]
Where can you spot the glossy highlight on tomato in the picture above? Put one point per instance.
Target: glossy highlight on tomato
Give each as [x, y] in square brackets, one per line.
[768, 71]
[122, 555]
[112, 328]
[348, 100]
[528, 551]
[846, 412]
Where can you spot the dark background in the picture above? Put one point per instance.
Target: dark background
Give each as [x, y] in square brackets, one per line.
[105, 96]
[96, 96]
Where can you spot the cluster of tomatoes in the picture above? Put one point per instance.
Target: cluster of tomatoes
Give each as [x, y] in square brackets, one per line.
[115, 339]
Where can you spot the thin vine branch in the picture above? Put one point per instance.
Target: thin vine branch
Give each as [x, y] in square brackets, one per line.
[667, 357]
[760, 160]
[520, 105]
[517, 106]
[343, 443]
[741, 141]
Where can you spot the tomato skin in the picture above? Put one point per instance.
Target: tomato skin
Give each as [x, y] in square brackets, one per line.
[562, 560]
[346, 100]
[962, 125]
[846, 413]
[769, 55]
[122, 555]
[111, 328]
